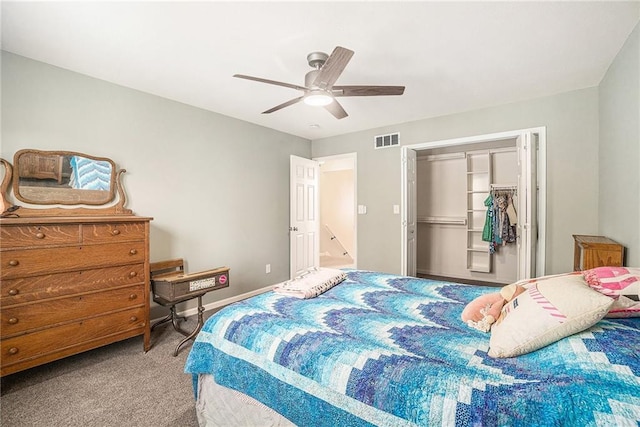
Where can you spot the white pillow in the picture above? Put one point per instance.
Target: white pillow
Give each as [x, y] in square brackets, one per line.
[549, 310]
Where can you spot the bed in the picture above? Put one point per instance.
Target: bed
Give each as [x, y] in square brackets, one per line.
[388, 350]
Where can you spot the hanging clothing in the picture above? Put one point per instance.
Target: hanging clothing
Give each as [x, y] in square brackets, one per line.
[511, 211]
[507, 233]
[487, 231]
[501, 219]
[497, 223]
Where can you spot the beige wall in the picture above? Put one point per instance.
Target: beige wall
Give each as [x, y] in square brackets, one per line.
[336, 208]
[217, 187]
[619, 201]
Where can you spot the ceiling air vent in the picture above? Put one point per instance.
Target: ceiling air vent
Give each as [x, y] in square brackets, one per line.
[384, 141]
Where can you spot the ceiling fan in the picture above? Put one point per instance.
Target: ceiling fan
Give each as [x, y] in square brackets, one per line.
[319, 89]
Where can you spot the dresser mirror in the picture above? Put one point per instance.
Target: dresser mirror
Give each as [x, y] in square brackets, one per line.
[63, 178]
[78, 184]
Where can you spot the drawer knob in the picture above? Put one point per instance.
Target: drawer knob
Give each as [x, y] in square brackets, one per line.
[40, 235]
[133, 318]
[13, 350]
[13, 292]
[133, 274]
[133, 251]
[115, 232]
[133, 296]
[14, 262]
[13, 321]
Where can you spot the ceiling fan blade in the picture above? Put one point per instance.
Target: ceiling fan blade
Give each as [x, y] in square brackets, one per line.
[336, 109]
[333, 67]
[271, 82]
[367, 90]
[284, 104]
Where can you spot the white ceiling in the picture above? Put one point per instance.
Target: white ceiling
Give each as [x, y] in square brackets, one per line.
[451, 56]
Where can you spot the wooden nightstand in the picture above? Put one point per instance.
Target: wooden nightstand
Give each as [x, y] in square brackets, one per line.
[171, 285]
[596, 251]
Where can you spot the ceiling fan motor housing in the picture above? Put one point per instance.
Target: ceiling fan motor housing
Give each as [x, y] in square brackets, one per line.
[309, 78]
[317, 59]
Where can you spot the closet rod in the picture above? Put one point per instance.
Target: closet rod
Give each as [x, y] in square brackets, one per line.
[503, 187]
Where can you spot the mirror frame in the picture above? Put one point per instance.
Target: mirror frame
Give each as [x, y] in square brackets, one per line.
[64, 196]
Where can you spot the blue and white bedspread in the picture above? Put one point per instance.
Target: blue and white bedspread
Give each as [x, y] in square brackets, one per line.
[388, 350]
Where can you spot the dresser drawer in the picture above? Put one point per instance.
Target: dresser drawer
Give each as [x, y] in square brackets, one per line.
[115, 232]
[38, 235]
[35, 262]
[25, 289]
[62, 338]
[17, 319]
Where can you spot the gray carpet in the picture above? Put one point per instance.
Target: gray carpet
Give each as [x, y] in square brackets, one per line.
[116, 385]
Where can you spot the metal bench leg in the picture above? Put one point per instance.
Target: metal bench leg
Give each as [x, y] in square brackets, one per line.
[171, 317]
[165, 319]
[196, 330]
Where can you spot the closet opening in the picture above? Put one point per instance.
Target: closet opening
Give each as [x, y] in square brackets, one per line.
[474, 208]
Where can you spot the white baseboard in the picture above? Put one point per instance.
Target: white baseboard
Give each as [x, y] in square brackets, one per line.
[222, 303]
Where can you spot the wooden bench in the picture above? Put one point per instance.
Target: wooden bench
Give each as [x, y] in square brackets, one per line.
[171, 285]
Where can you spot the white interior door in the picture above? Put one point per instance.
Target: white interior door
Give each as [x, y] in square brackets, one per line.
[409, 225]
[527, 145]
[304, 227]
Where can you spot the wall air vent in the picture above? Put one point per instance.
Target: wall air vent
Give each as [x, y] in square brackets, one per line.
[385, 141]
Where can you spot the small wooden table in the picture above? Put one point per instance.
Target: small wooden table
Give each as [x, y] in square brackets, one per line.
[171, 285]
[596, 251]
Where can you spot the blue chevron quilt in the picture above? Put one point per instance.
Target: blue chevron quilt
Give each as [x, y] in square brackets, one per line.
[89, 174]
[389, 350]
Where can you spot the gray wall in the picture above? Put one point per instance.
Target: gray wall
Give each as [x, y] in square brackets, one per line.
[217, 187]
[571, 120]
[619, 207]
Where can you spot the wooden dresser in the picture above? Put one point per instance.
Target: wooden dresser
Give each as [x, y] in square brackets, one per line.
[70, 284]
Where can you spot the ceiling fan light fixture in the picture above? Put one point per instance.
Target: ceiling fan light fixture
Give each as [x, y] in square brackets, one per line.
[318, 98]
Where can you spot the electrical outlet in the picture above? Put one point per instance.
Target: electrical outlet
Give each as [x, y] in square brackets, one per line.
[267, 269]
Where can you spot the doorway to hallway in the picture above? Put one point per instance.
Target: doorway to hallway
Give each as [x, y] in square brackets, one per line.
[338, 208]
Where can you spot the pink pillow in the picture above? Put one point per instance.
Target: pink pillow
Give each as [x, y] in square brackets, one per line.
[619, 283]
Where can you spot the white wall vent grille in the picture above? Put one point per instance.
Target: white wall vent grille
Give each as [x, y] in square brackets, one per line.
[385, 141]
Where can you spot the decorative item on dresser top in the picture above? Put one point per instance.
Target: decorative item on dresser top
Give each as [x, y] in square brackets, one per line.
[73, 277]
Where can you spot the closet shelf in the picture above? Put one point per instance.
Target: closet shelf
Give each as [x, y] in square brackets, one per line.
[478, 249]
[481, 268]
[451, 220]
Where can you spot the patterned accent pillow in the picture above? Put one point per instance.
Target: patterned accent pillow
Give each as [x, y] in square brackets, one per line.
[550, 309]
[620, 283]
